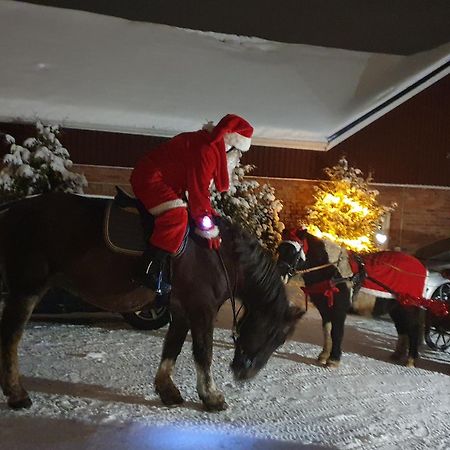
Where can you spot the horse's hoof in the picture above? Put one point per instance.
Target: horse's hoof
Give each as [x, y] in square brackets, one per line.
[215, 401]
[169, 395]
[322, 359]
[214, 407]
[20, 404]
[332, 363]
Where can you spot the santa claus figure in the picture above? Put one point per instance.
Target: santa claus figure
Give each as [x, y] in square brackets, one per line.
[183, 168]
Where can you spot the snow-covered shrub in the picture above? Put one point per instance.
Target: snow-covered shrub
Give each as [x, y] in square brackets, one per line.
[254, 207]
[41, 164]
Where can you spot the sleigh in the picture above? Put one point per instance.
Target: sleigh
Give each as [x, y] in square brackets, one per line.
[436, 257]
[406, 279]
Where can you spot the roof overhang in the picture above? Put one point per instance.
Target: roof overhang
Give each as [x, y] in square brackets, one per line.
[96, 72]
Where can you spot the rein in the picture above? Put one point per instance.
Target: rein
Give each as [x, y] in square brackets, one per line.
[234, 333]
[313, 269]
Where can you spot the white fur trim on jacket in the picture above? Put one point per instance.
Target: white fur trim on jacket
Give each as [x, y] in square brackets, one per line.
[163, 207]
[207, 234]
[237, 140]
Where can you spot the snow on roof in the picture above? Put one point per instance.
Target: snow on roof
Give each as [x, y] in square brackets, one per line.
[90, 71]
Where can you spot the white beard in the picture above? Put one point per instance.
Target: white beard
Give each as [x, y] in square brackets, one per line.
[233, 159]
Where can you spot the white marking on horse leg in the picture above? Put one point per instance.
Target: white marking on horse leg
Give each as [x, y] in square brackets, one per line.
[207, 389]
[165, 370]
[410, 362]
[327, 343]
[164, 385]
[205, 382]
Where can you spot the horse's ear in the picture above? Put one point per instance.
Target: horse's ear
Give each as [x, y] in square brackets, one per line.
[301, 233]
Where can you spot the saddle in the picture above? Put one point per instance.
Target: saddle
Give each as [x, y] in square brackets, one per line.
[128, 225]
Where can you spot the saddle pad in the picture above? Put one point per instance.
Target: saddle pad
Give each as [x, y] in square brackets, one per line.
[398, 271]
[123, 230]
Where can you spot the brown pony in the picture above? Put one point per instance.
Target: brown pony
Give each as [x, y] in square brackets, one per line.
[57, 239]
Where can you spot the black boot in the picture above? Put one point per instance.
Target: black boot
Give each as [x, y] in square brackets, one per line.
[154, 261]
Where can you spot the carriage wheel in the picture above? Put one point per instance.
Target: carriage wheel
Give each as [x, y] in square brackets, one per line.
[148, 318]
[437, 330]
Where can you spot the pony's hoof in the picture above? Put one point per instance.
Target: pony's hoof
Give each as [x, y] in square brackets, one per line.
[20, 404]
[169, 395]
[322, 359]
[333, 364]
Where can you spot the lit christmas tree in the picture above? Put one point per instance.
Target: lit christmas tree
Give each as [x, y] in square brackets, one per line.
[252, 206]
[40, 165]
[346, 210]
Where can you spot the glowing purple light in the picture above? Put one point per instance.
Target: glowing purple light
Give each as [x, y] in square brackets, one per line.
[206, 223]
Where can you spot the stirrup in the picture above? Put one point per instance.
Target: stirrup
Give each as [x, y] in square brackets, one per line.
[162, 288]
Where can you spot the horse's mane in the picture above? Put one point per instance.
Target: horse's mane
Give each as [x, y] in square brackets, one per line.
[262, 284]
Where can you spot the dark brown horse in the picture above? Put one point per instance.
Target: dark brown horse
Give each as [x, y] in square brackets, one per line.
[57, 240]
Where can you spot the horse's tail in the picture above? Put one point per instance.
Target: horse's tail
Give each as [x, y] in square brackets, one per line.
[3, 235]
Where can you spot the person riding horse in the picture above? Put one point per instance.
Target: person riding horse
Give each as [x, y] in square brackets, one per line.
[184, 166]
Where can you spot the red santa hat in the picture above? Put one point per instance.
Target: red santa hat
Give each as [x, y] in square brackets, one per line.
[235, 131]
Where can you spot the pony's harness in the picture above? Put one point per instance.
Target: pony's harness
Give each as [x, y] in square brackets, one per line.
[326, 287]
[361, 274]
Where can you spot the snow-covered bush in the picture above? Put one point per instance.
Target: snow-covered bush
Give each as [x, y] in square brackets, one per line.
[41, 164]
[252, 206]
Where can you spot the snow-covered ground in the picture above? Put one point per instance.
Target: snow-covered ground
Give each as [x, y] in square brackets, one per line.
[101, 374]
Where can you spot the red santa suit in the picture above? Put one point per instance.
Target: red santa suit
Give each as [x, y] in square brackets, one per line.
[186, 163]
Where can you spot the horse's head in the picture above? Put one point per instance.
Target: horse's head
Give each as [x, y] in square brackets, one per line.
[268, 317]
[260, 333]
[292, 253]
[302, 251]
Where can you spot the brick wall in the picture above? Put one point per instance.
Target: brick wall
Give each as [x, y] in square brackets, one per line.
[421, 217]
[422, 214]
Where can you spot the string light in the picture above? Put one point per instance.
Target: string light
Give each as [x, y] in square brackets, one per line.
[346, 210]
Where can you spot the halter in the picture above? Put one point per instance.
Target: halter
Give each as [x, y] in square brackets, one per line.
[302, 248]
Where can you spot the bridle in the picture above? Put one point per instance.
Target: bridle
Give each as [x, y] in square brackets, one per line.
[301, 255]
[232, 292]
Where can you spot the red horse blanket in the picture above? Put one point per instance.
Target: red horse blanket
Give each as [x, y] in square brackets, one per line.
[399, 272]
